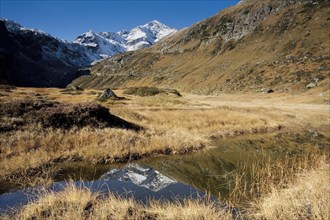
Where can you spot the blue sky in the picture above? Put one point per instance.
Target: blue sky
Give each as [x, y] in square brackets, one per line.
[68, 19]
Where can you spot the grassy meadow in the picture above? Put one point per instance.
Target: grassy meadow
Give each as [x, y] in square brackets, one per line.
[170, 124]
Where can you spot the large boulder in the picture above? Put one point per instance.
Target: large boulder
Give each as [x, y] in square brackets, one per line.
[263, 90]
[76, 88]
[107, 94]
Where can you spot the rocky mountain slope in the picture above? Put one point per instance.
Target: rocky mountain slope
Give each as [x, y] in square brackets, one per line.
[253, 46]
[30, 57]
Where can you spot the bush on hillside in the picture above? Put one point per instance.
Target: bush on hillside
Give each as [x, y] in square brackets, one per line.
[149, 91]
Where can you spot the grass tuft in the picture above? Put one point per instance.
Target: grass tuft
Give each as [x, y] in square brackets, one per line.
[306, 197]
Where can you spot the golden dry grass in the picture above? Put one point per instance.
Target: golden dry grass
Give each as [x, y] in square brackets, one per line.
[81, 203]
[264, 175]
[171, 124]
[24, 149]
[308, 197]
[305, 196]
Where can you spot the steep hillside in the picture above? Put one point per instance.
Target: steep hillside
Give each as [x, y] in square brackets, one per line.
[253, 46]
[30, 57]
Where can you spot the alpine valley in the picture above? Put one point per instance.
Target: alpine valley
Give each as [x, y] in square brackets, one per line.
[226, 119]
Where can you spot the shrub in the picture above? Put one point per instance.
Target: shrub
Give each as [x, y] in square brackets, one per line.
[142, 91]
[149, 91]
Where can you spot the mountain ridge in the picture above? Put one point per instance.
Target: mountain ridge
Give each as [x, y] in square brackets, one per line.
[31, 57]
[251, 46]
[110, 43]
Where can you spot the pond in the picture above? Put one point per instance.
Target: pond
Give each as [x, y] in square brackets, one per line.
[208, 170]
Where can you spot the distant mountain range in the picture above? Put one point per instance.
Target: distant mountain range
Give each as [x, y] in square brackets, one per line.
[30, 57]
[254, 46]
[110, 43]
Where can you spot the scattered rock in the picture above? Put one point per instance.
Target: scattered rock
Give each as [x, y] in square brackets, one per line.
[88, 208]
[76, 88]
[316, 80]
[314, 134]
[263, 90]
[107, 94]
[311, 85]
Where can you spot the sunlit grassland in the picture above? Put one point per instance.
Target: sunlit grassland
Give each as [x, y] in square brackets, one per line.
[172, 125]
[282, 189]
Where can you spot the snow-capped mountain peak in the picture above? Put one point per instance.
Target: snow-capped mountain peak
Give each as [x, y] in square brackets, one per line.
[110, 43]
[147, 34]
[155, 22]
[156, 26]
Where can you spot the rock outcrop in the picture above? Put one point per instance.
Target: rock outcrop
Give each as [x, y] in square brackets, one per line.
[108, 94]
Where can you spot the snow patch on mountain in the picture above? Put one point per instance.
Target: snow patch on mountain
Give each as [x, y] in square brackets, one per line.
[13, 26]
[242, 1]
[103, 44]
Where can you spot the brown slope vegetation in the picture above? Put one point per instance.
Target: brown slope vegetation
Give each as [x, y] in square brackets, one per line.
[283, 45]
